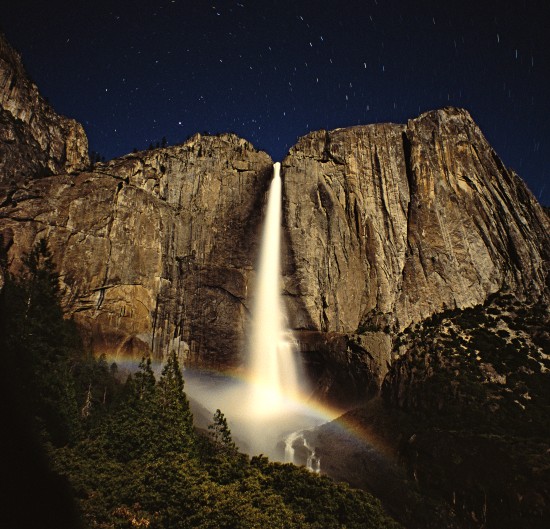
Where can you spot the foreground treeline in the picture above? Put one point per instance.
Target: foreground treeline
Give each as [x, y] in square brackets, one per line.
[470, 396]
[85, 449]
[465, 405]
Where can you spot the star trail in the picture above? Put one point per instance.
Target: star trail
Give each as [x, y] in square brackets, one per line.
[136, 72]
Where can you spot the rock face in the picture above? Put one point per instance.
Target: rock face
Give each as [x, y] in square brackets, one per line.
[155, 249]
[389, 224]
[34, 140]
[384, 225]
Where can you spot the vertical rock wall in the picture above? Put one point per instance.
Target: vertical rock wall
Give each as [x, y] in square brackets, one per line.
[474, 228]
[347, 198]
[388, 224]
[34, 140]
[155, 250]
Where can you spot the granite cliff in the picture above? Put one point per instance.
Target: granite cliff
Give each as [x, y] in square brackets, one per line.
[385, 225]
[34, 140]
[155, 249]
[406, 220]
[389, 224]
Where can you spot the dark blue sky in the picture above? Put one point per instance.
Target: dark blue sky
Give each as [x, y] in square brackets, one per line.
[135, 71]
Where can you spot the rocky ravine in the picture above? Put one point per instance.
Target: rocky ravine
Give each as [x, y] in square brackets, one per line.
[384, 226]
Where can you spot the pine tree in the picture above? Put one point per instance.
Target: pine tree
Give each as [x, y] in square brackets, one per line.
[225, 464]
[173, 400]
[40, 346]
[220, 432]
[144, 380]
[43, 313]
[171, 383]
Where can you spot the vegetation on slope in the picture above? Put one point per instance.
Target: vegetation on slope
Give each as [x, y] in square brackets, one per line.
[470, 396]
[460, 435]
[117, 455]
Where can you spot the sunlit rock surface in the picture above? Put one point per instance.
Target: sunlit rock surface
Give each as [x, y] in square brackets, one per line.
[34, 140]
[383, 226]
[388, 224]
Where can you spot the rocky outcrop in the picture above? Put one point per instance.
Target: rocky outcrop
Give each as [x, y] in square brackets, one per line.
[389, 224]
[384, 225]
[474, 386]
[155, 250]
[34, 140]
[464, 412]
[344, 368]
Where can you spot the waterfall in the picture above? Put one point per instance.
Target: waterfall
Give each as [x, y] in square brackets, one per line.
[289, 446]
[308, 456]
[273, 366]
[269, 407]
[272, 399]
[313, 462]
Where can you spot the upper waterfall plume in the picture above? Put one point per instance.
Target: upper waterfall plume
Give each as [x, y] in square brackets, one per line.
[273, 367]
[267, 406]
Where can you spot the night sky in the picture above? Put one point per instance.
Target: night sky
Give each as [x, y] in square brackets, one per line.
[134, 71]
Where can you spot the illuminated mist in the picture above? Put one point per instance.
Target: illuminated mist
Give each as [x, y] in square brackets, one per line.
[268, 408]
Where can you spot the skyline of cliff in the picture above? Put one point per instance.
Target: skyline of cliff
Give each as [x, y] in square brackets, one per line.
[140, 71]
[415, 273]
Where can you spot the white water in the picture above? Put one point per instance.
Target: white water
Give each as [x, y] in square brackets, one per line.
[268, 410]
[313, 462]
[307, 456]
[289, 446]
[273, 365]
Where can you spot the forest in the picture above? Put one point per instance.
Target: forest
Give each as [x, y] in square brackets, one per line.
[87, 448]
